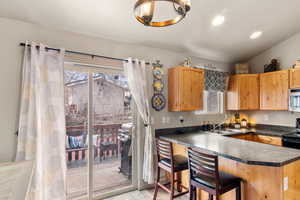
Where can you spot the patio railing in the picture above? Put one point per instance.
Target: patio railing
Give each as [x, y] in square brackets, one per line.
[105, 144]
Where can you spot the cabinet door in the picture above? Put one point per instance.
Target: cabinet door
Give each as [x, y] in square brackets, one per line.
[242, 136]
[274, 90]
[197, 89]
[232, 94]
[173, 89]
[243, 92]
[249, 92]
[185, 88]
[295, 78]
[269, 140]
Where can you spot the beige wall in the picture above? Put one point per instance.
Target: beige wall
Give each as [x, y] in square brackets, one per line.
[13, 32]
[288, 52]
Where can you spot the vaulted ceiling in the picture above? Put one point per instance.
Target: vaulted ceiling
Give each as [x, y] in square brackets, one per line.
[114, 19]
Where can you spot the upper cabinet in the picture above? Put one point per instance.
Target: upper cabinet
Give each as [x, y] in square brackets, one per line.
[243, 92]
[295, 78]
[274, 90]
[185, 88]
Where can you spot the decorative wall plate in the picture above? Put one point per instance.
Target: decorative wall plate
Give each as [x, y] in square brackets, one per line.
[158, 85]
[158, 102]
[158, 72]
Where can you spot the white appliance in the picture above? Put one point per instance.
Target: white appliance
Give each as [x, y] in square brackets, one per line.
[294, 100]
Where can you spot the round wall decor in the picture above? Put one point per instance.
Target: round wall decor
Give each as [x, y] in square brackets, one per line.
[158, 85]
[157, 72]
[158, 102]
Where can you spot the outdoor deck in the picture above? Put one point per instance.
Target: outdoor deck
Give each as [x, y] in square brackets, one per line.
[106, 178]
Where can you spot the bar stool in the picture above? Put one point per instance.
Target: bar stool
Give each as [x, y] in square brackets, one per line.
[174, 164]
[205, 175]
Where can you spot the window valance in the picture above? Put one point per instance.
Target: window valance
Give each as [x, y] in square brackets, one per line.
[215, 80]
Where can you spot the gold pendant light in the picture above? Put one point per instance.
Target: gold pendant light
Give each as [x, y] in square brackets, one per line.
[145, 10]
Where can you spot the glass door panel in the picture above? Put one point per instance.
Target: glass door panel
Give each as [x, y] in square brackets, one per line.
[99, 133]
[76, 109]
[112, 128]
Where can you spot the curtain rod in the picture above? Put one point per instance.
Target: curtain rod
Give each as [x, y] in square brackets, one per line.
[81, 53]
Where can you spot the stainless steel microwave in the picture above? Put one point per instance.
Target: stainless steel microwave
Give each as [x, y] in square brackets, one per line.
[294, 100]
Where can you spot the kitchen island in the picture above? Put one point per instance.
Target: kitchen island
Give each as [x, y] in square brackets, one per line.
[269, 172]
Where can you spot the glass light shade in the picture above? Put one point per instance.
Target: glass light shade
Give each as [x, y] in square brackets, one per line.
[187, 2]
[145, 10]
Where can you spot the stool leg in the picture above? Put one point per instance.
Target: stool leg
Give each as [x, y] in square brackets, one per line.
[172, 186]
[194, 193]
[238, 192]
[156, 184]
[210, 197]
[191, 192]
[179, 189]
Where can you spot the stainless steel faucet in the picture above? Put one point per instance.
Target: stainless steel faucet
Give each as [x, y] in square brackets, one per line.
[217, 126]
[220, 124]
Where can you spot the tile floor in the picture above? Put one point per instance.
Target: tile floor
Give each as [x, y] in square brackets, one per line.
[145, 195]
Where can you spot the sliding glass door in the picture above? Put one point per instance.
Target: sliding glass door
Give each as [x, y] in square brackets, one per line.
[99, 137]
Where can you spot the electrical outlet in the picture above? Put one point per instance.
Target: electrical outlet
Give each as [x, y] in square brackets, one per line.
[266, 117]
[181, 119]
[285, 183]
[167, 120]
[152, 120]
[163, 120]
[198, 112]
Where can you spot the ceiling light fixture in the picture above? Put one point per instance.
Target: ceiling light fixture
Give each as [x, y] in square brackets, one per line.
[145, 10]
[255, 35]
[218, 20]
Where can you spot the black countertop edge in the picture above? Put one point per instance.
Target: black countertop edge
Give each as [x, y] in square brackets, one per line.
[255, 132]
[270, 164]
[275, 128]
[261, 129]
[178, 130]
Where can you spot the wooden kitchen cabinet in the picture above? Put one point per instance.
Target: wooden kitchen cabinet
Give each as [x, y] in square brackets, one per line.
[243, 137]
[295, 78]
[274, 90]
[268, 139]
[185, 89]
[265, 139]
[243, 92]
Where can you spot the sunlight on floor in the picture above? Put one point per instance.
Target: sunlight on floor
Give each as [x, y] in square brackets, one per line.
[106, 178]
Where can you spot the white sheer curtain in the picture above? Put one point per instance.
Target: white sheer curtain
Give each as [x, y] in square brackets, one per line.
[42, 122]
[135, 71]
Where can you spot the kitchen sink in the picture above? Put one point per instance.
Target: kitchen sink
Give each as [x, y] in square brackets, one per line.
[228, 131]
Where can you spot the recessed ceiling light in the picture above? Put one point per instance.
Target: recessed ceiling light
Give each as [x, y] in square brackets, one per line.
[218, 20]
[255, 35]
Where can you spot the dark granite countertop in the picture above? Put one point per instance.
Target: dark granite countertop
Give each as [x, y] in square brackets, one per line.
[260, 129]
[248, 152]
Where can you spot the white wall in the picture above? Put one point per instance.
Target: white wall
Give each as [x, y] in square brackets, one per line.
[13, 32]
[288, 52]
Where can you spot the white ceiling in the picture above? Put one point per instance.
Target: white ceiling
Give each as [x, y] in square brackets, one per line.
[113, 19]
